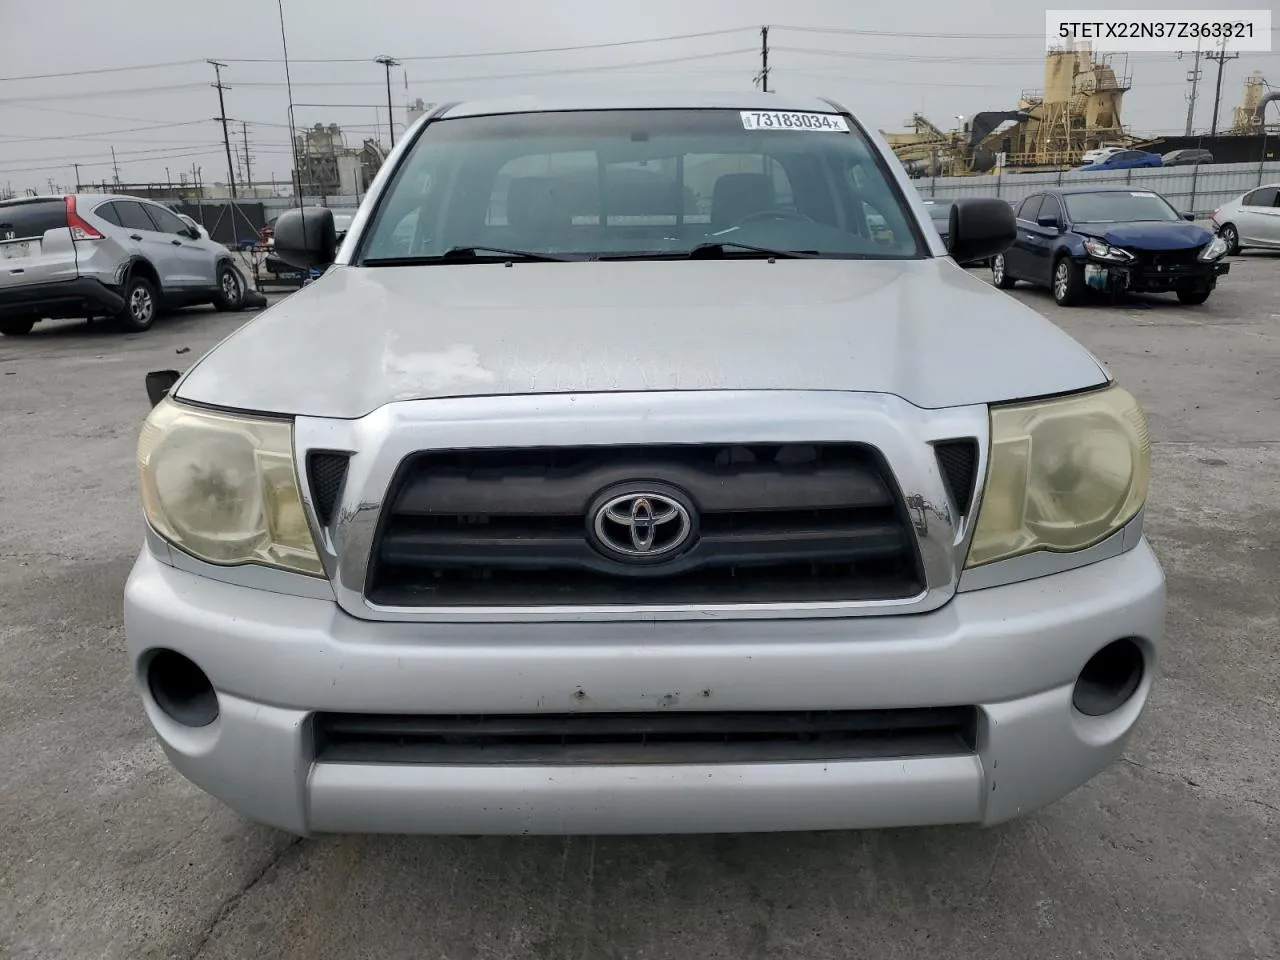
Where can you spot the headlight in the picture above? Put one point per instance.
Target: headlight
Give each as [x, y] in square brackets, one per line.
[1104, 251]
[1062, 475]
[1216, 248]
[224, 488]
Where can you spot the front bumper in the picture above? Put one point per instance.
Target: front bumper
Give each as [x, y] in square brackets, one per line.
[1113, 277]
[1012, 651]
[59, 299]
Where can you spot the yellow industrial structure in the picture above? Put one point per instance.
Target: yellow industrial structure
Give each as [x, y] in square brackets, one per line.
[1077, 110]
[1250, 116]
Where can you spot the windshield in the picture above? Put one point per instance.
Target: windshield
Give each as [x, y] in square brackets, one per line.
[1118, 206]
[590, 184]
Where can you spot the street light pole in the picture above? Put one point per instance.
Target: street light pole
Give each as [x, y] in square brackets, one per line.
[389, 62]
[293, 139]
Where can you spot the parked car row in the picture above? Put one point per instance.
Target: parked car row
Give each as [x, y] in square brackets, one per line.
[1121, 158]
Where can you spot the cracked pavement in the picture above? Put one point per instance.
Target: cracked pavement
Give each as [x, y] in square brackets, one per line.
[106, 853]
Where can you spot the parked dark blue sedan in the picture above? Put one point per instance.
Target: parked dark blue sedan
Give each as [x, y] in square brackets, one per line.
[1126, 160]
[1109, 239]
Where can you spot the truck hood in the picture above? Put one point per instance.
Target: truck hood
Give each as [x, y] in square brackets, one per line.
[1148, 234]
[361, 337]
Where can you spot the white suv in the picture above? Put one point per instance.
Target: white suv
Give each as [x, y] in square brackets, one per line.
[92, 255]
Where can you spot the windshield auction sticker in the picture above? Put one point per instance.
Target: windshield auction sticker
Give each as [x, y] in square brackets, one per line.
[1170, 31]
[782, 120]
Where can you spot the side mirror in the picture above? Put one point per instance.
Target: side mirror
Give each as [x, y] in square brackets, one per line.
[1048, 222]
[306, 238]
[1189, 216]
[980, 228]
[193, 233]
[159, 382]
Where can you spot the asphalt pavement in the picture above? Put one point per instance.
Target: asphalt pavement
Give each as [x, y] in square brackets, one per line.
[1174, 852]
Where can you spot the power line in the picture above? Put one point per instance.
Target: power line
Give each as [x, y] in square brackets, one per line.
[101, 133]
[85, 94]
[83, 113]
[927, 58]
[107, 163]
[511, 53]
[906, 34]
[99, 70]
[789, 71]
[925, 36]
[211, 146]
[553, 71]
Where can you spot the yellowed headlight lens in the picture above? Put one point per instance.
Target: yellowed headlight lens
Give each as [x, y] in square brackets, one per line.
[1063, 474]
[224, 489]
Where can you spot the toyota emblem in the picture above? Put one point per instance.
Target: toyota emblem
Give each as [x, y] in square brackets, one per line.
[641, 524]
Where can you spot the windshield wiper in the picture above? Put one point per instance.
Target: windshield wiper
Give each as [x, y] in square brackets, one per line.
[466, 253]
[717, 248]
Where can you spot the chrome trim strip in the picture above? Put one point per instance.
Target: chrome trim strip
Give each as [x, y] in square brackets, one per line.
[157, 544]
[1043, 563]
[253, 575]
[900, 431]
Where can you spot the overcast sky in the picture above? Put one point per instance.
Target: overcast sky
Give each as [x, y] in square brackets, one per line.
[47, 124]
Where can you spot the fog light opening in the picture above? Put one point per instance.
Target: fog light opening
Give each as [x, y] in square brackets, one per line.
[1109, 679]
[181, 689]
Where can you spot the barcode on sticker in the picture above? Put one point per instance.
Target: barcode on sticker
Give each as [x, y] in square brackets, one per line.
[786, 120]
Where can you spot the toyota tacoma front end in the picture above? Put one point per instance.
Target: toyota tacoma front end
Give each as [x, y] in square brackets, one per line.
[643, 466]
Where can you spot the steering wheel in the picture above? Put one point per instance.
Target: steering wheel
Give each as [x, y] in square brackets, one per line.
[774, 215]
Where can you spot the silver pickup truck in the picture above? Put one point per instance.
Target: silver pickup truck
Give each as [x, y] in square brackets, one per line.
[643, 465]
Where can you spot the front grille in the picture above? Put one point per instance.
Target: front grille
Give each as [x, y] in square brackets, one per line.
[625, 738]
[958, 460]
[328, 471]
[774, 523]
[1159, 262]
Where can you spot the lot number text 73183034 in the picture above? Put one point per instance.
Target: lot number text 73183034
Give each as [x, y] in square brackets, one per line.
[782, 120]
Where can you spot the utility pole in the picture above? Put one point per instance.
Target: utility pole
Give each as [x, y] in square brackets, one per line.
[222, 111]
[1193, 75]
[77, 166]
[763, 77]
[293, 138]
[389, 62]
[115, 167]
[1221, 56]
[248, 160]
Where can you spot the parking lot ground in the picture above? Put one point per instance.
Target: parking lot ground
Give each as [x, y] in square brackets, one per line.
[1172, 853]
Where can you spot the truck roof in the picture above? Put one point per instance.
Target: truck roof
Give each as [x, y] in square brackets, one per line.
[640, 100]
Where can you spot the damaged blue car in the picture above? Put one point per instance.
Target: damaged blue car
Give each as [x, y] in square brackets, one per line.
[1111, 240]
